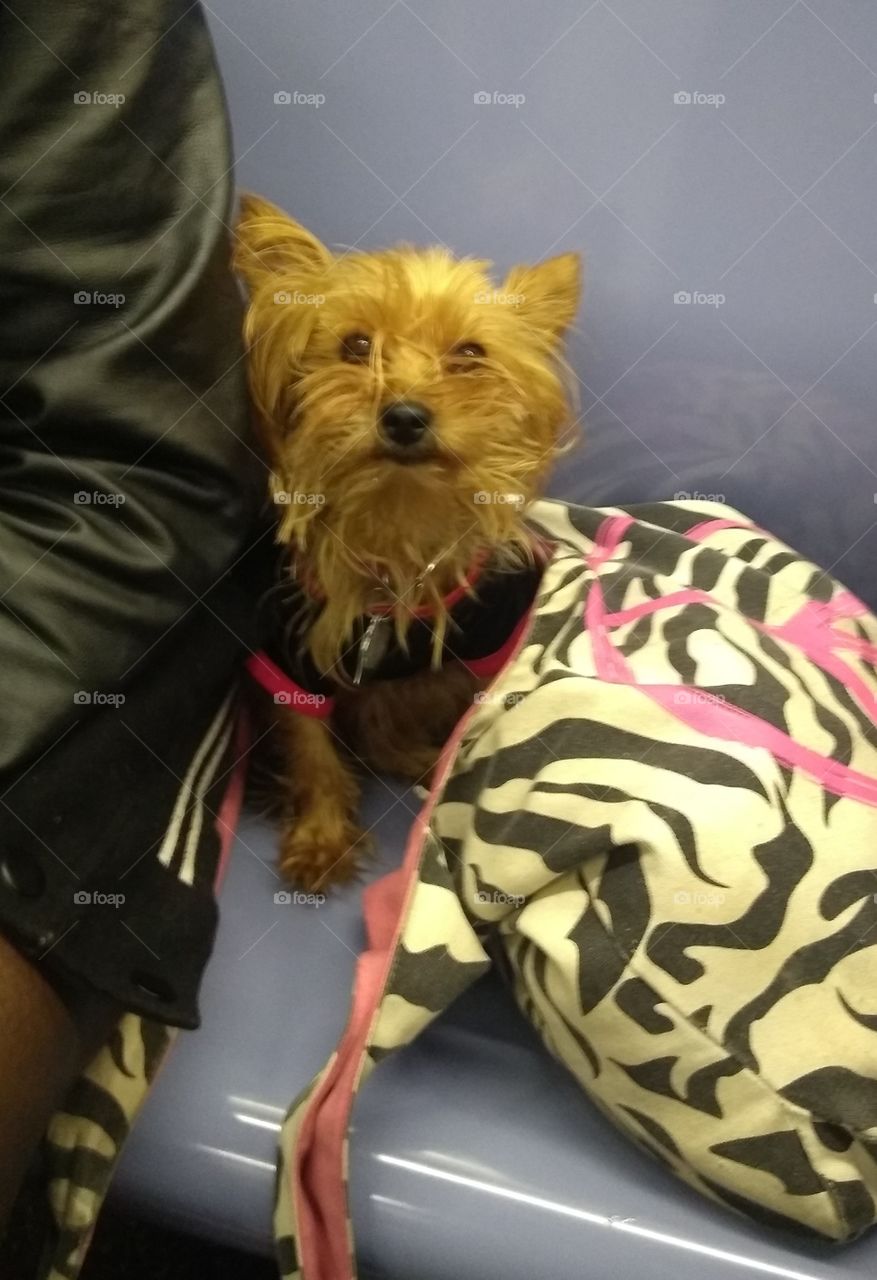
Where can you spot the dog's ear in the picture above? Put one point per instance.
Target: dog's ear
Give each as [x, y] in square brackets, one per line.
[268, 244]
[548, 293]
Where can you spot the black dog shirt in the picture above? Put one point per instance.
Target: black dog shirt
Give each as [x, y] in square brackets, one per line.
[484, 623]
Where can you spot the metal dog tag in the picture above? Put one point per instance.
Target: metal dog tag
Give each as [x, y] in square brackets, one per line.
[372, 647]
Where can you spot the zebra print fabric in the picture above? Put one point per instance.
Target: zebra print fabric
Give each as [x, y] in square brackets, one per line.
[664, 814]
[85, 1138]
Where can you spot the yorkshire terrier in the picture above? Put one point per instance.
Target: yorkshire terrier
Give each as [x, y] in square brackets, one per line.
[410, 410]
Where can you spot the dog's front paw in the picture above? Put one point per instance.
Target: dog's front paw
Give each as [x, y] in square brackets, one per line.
[316, 854]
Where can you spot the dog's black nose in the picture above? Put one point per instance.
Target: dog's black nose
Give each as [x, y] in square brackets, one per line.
[405, 422]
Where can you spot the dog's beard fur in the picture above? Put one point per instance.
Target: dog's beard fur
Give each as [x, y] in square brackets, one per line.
[354, 516]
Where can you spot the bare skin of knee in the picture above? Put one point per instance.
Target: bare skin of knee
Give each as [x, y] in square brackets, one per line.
[43, 1047]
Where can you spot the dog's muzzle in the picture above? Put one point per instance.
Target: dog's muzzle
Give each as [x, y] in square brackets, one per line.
[405, 427]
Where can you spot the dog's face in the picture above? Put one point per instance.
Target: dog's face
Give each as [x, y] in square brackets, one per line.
[410, 406]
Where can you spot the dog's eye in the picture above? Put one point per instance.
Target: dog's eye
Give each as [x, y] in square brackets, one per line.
[468, 351]
[356, 348]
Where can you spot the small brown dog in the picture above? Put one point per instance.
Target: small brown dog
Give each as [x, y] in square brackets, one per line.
[410, 410]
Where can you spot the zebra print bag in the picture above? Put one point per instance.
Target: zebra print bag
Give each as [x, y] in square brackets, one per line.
[664, 813]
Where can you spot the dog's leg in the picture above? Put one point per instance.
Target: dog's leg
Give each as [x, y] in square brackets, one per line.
[320, 842]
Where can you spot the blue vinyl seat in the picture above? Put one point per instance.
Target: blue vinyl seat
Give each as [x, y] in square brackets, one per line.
[716, 163]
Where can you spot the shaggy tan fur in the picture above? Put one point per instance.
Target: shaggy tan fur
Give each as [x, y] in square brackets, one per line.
[487, 362]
